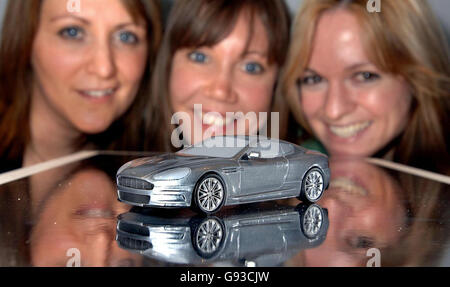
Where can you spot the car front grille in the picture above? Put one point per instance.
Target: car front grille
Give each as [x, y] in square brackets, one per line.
[132, 243]
[133, 228]
[135, 183]
[134, 198]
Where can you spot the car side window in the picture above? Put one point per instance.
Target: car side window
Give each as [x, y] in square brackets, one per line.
[269, 149]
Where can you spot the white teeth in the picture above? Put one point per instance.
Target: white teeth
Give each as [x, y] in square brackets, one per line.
[99, 93]
[350, 130]
[97, 213]
[213, 119]
[349, 186]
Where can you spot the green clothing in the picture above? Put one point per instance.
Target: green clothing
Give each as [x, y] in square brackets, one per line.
[314, 144]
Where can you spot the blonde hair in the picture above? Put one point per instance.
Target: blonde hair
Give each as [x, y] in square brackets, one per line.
[403, 39]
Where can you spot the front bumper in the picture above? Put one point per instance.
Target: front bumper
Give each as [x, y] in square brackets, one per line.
[168, 194]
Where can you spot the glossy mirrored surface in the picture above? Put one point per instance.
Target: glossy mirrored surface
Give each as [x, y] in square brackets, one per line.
[369, 216]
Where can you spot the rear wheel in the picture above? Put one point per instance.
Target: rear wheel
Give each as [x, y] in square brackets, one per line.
[312, 185]
[209, 194]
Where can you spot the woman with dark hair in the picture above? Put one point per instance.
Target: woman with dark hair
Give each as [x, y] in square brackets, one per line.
[371, 84]
[72, 80]
[225, 56]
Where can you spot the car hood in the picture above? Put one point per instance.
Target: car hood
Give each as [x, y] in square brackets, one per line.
[148, 166]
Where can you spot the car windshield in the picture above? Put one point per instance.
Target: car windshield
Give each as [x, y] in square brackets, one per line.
[224, 147]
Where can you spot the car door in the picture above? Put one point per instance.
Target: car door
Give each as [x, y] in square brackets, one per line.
[262, 174]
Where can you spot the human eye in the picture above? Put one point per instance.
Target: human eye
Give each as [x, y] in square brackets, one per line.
[253, 68]
[198, 57]
[311, 80]
[360, 242]
[71, 33]
[128, 37]
[366, 77]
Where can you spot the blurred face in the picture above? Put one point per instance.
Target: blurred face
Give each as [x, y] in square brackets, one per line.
[352, 107]
[365, 212]
[224, 78]
[81, 214]
[87, 65]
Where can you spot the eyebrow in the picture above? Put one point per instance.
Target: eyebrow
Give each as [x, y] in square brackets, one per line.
[87, 22]
[357, 65]
[348, 68]
[259, 53]
[56, 18]
[309, 70]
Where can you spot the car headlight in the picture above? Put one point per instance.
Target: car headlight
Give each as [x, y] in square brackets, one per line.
[173, 174]
[123, 167]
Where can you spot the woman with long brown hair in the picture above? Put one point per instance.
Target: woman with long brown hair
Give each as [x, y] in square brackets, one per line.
[371, 84]
[224, 55]
[71, 80]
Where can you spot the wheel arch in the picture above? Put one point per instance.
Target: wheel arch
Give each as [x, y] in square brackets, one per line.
[202, 175]
[303, 178]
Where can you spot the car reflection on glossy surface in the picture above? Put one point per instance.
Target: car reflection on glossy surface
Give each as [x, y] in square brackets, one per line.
[224, 171]
[259, 237]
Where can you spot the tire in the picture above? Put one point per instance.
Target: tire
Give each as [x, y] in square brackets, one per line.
[209, 194]
[208, 237]
[312, 186]
[312, 220]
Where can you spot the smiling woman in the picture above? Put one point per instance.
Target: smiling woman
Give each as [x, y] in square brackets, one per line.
[371, 84]
[73, 80]
[224, 55]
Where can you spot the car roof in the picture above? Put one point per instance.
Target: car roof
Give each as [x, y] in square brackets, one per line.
[248, 139]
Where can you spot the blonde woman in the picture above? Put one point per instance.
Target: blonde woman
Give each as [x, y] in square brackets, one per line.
[371, 84]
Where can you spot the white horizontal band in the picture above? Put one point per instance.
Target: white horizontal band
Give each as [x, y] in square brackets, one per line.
[40, 167]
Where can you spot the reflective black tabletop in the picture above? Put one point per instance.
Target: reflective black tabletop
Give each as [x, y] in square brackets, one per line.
[369, 216]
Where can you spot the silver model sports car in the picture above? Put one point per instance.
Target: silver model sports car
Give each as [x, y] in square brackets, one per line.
[225, 170]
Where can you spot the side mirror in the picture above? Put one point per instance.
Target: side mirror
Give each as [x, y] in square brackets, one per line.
[254, 154]
[244, 157]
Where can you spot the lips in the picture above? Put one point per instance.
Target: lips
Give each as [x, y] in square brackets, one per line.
[98, 93]
[94, 211]
[348, 131]
[214, 119]
[348, 186]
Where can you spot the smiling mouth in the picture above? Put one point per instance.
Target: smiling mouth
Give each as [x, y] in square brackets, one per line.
[98, 94]
[348, 186]
[349, 130]
[216, 120]
[94, 213]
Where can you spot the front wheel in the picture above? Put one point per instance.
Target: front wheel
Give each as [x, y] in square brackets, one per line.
[208, 237]
[312, 186]
[209, 194]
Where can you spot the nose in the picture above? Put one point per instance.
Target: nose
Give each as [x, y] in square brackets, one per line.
[99, 247]
[338, 101]
[220, 87]
[102, 62]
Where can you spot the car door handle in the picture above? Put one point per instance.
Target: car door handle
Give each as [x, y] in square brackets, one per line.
[231, 169]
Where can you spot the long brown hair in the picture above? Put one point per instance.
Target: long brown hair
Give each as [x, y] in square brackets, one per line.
[199, 23]
[19, 30]
[403, 39]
